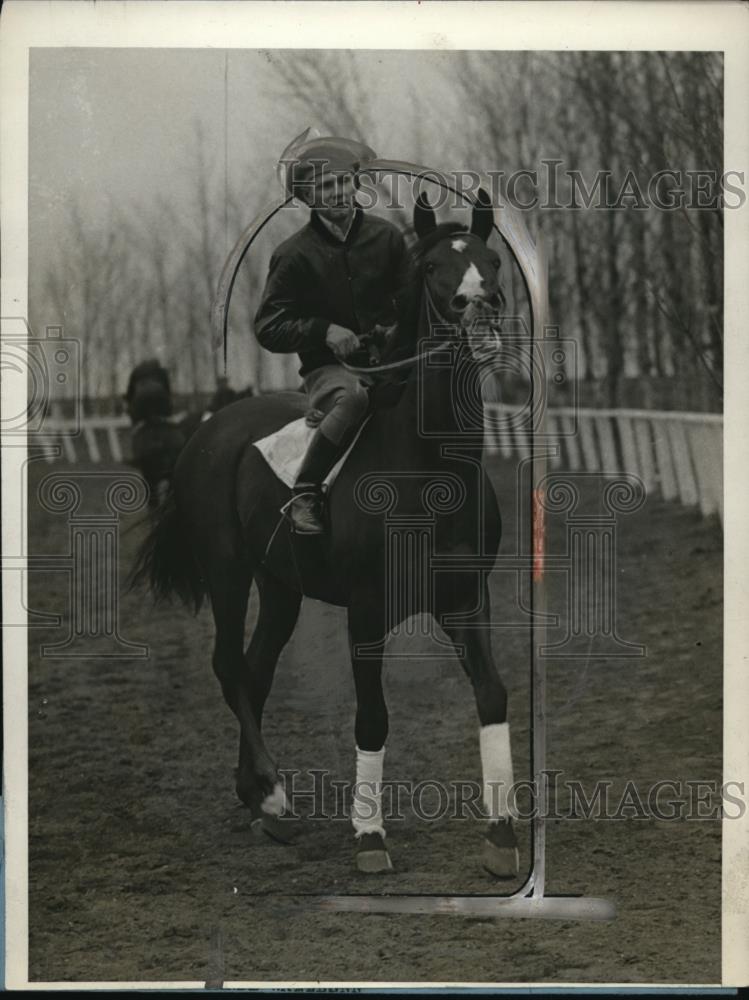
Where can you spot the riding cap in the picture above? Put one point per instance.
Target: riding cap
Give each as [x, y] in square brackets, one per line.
[308, 162]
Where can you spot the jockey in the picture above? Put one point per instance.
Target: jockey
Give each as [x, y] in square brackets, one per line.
[148, 393]
[328, 284]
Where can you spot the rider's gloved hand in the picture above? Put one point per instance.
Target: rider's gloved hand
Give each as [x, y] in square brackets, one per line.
[341, 341]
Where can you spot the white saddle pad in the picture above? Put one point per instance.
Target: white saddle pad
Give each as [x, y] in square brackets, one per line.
[285, 449]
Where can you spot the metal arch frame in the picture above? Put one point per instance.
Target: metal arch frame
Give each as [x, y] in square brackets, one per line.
[530, 900]
[222, 300]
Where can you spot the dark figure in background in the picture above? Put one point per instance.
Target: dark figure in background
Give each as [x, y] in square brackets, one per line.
[155, 440]
[149, 392]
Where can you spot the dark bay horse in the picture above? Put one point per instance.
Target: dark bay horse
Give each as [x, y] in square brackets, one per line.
[219, 531]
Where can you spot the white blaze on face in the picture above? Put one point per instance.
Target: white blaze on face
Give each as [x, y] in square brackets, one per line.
[459, 245]
[472, 283]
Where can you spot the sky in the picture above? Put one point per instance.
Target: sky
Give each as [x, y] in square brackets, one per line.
[118, 124]
[117, 128]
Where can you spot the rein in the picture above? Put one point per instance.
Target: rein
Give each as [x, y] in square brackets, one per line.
[408, 362]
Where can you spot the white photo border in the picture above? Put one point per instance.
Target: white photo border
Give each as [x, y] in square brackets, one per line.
[468, 24]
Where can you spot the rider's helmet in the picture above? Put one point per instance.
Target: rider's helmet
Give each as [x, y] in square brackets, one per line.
[307, 161]
[149, 392]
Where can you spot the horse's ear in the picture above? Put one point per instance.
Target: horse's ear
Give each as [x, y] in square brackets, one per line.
[424, 218]
[483, 216]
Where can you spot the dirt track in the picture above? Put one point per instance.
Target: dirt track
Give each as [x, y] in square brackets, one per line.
[143, 866]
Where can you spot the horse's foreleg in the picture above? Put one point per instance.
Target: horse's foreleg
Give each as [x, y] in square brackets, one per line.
[366, 629]
[473, 646]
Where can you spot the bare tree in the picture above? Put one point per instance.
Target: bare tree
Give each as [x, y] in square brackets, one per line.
[643, 290]
[80, 285]
[324, 87]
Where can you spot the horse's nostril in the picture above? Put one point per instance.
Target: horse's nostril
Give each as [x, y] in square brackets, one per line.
[459, 303]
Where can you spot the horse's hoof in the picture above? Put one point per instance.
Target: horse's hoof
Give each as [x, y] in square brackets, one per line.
[371, 854]
[282, 831]
[500, 854]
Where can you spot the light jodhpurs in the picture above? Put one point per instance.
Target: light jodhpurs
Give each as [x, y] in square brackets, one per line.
[341, 396]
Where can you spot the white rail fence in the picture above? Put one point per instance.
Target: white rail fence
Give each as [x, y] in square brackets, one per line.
[96, 439]
[678, 456]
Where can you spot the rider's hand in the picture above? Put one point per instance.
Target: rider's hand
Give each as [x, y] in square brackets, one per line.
[341, 341]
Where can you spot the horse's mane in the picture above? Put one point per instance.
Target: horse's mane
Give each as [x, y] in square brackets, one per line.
[408, 298]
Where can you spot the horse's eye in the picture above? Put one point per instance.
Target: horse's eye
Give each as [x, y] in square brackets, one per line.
[429, 268]
[496, 263]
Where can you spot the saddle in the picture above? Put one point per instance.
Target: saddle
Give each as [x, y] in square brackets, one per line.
[285, 448]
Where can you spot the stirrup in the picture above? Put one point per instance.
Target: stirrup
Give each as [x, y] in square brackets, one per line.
[306, 517]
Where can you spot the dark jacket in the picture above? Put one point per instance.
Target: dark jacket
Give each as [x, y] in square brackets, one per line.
[315, 280]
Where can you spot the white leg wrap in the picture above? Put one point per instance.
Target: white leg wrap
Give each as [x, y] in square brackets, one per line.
[496, 764]
[366, 809]
[275, 803]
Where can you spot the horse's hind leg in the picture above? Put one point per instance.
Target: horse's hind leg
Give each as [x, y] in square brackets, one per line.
[473, 642]
[229, 588]
[277, 617]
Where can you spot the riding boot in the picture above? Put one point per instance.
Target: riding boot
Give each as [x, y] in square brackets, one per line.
[307, 509]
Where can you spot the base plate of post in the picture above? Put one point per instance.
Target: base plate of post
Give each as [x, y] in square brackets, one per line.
[518, 907]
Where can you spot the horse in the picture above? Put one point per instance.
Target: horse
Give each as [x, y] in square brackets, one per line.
[220, 529]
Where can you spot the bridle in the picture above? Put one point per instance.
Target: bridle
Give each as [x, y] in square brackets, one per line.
[435, 319]
[392, 366]
[513, 232]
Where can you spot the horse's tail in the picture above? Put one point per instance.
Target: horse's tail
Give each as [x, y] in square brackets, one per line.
[165, 560]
